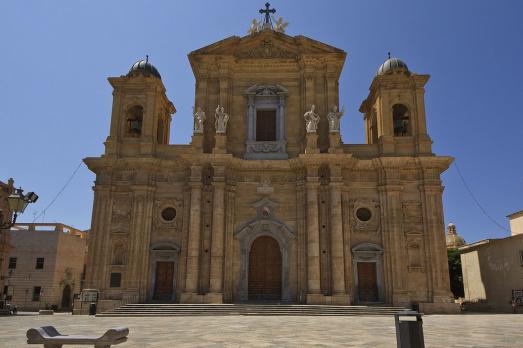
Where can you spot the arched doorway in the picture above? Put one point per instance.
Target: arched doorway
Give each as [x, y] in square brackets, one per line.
[66, 297]
[265, 270]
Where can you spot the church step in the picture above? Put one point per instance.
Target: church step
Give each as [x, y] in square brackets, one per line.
[154, 309]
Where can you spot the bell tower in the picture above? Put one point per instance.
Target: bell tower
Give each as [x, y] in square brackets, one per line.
[141, 113]
[394, 111]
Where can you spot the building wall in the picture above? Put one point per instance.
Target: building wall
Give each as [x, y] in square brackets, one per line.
[492, 270]
[64, 255]
[516, 223]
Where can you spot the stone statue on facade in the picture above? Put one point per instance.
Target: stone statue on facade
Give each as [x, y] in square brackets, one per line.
[311, 120]
[255, 27]
[221, 119]
[280, 25]
[199, 119]
[334, 119]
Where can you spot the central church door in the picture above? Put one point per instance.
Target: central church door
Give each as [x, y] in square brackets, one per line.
[163, 287]
[367, 282]
[265, 270]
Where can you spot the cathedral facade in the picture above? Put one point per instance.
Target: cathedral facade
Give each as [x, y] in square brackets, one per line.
[267, 203]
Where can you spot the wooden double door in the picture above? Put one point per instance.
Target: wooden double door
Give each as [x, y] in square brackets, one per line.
[367, 282]
[164, 280]
[265, 270]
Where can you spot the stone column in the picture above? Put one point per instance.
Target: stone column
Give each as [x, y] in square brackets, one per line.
[301, 237]
[218, 221]
[313, 238]
[337, 254]
[193, 245]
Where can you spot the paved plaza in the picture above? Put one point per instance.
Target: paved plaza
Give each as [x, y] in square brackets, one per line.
[469, 330]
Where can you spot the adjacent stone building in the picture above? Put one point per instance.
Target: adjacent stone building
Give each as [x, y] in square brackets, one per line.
[46, 266]
[267, 202]
[493, 270]
[6, 189]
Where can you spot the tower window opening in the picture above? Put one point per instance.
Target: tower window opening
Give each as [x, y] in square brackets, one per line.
[401, 120]
[265, 125]
[134, 121]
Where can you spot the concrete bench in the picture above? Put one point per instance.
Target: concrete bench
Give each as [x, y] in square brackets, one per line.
[51, 338]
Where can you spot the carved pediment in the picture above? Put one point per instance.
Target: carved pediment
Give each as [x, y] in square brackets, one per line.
[266, 49]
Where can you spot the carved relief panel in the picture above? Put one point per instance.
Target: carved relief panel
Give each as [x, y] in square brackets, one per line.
[364, 215]
[168, 215]
[121, 212]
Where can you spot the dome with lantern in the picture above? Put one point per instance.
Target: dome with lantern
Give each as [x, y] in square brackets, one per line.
[453, 239]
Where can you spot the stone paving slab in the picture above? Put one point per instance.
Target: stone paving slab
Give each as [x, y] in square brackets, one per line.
[463, 331]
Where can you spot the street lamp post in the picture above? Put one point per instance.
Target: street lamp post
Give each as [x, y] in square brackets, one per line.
[17, 202]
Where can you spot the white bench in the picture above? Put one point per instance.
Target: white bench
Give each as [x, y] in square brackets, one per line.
[51, 338]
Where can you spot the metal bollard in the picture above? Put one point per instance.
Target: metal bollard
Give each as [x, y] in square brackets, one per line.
[409, 329]
[92, 308]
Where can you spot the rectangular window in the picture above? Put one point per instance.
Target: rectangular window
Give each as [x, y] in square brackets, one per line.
[12, 262]
[265, 125]
[36, 293]
[116, 280]
[39, 263]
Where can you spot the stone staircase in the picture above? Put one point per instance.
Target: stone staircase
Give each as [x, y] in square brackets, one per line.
[170, 310]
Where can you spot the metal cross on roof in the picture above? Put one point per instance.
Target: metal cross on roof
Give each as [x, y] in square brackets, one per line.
[267, 12]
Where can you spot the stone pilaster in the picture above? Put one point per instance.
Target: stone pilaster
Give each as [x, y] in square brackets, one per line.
[197, 142]
[193, 245]
[217, 247]
[96, 275]
[136, 276]
[394, 240]
[337, 243]
[312, 143]
[435, 234]
[230, 194]
[301, 238]
[220, 145]
[313, 238]
[335, 142]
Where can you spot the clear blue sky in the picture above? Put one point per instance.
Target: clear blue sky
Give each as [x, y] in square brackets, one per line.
[56, 102]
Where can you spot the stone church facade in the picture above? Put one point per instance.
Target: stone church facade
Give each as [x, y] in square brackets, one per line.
[262, 205]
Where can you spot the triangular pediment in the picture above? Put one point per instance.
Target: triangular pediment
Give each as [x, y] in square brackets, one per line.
[267, 44]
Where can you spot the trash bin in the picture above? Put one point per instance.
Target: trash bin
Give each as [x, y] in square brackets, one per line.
[92, 308]
[409, 329]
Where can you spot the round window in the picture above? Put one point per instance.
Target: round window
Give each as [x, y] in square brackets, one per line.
[168, 214]
[363, 214]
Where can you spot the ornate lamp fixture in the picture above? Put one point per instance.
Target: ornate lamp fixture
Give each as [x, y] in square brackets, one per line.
[17, 203]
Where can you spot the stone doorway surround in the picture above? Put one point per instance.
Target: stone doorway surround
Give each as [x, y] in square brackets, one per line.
[165, 251]
[368, 252]
[265, 224]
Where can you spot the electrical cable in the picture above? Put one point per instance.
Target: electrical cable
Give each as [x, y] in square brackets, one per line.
[59, 192]
[477, 201]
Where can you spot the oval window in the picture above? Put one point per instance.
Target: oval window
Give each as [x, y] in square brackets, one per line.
[363, 214]
[168, 214]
